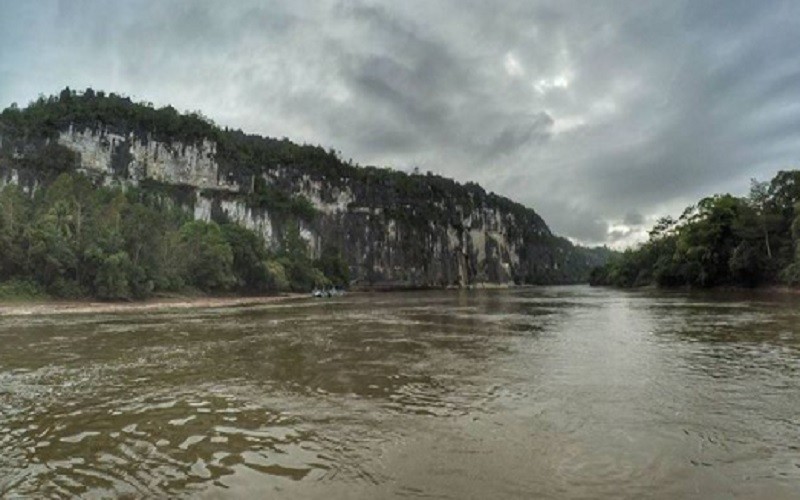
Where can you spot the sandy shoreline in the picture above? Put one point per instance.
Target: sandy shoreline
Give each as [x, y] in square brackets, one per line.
[84, 307]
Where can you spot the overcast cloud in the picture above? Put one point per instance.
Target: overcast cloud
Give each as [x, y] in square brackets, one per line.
[601, 116]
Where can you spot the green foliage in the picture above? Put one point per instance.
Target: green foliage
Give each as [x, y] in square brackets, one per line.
[333, 265]
[723, 240]
[276, 276]
[249, 258]
[276, 200]
[293, 257]
[20, 290]
[112, 279]
[76, 239]
[50, 160]
[15, 214]
[209, 258]
[46, 116]
[303, 277]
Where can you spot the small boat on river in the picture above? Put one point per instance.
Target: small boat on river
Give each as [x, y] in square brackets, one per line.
[327, 292]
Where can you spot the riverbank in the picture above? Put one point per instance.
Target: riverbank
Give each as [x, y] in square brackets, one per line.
[150, 305]
[758, 290]
[33, 305]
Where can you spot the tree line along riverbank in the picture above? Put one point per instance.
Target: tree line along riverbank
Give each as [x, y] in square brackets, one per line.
[74, 239]
[721, 241]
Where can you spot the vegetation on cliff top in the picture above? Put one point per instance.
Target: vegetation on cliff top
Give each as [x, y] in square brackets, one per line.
[723, 240]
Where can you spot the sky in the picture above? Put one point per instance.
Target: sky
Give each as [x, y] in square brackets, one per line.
[600, 115]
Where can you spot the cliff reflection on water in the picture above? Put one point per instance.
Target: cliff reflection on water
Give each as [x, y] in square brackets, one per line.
[546, 392]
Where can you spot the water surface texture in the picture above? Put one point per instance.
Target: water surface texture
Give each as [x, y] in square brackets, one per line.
[564, 392]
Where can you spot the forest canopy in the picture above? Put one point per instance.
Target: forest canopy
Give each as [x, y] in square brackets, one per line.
[723, 240]
[76, 239]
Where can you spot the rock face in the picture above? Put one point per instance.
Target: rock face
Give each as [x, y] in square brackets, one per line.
[388, 237]
[132, 159]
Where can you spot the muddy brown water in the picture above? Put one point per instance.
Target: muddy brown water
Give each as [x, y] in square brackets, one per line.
[556, 392]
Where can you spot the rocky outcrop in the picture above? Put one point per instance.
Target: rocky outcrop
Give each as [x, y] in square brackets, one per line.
[388, 237]
[133, 159]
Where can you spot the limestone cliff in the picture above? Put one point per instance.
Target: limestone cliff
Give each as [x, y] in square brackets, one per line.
[394, 229]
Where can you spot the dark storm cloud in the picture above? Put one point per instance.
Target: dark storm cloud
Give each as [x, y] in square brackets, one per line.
[633, 219]
[600, 115]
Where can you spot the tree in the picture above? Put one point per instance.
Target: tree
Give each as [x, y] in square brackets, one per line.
[65, 97]
[14, 217]
[50, 258]
[784, 192]
[142, 229]
[720, 240]
[112, 281]
[333, 265]
[209, 259]
[664, 227]
[249, 257]
[759, 199]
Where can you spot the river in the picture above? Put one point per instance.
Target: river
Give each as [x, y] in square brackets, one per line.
[552, 392]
